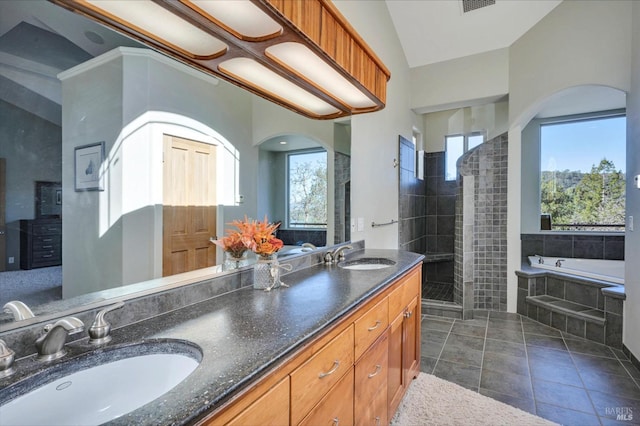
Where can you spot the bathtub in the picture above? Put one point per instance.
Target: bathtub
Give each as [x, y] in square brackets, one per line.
[604, 270]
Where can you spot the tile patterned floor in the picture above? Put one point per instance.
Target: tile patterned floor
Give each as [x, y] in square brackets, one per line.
[533, 367]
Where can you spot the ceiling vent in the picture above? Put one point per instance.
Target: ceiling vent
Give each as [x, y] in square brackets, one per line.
[469, 5]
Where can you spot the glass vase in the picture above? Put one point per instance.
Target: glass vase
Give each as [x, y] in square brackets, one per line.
[232, 262]
[266, 272]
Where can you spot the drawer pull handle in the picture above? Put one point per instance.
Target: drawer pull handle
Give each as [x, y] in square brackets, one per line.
[336, 421]
[373, 327]
[408, 314]
[47, 255]
[44, 247]
[375, 373]
[46, 240]
[336, 364]
[377, 420]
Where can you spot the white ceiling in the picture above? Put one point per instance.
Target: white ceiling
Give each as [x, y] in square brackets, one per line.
[433, 31]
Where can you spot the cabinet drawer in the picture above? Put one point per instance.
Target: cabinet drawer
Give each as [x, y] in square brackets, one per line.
[47, 229]
[402, 296]
[46, 244]
[372, 371]
[370, 326]
[336, 408]
[375, 413]
[313, 379]
[272, 408]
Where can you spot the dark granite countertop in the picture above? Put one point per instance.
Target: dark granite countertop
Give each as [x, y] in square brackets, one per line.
[242, 334]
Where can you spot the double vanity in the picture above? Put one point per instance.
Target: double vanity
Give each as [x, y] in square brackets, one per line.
[340, 344]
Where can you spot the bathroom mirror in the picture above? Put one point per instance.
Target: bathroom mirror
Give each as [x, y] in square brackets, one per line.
[112, 238]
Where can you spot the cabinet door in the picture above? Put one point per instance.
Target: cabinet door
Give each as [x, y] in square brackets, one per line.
[336, 408]
[411, 337]
[396, 377]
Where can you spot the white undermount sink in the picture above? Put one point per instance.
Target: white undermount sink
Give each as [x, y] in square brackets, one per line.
[367, 263]
[99, 393]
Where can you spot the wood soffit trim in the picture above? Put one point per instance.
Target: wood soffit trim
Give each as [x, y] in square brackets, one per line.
[317, 24]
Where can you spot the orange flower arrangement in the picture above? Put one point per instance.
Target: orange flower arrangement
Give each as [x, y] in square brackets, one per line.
[259, 237]
[253, 235]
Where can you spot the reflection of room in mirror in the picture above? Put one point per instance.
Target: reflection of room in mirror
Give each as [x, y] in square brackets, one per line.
[112, 240]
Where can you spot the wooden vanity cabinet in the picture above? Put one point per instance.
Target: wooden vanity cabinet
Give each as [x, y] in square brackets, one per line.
[313, 380]
[370, 404]
[404, 338]
[272, 408]
[336, 408]
[355, 373]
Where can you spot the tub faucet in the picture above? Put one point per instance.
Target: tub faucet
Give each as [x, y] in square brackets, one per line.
[540, 259]
[559, 262]
[18, 309]
[51, 344]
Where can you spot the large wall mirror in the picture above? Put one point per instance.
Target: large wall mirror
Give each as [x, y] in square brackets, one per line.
[178, 144]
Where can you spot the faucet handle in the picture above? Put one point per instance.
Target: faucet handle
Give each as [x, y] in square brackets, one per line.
[100, 329]
[7, 356]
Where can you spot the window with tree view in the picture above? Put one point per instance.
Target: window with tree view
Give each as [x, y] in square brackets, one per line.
[307, 189]
[582, 174]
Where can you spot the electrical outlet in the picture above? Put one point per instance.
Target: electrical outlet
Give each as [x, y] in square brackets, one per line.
[12, 259]
[630, 224]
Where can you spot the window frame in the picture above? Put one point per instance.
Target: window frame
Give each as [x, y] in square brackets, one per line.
[465, 147]
[289, 154]
[567, 119]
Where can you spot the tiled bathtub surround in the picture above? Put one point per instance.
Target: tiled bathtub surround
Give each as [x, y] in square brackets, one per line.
[586, 308]
[481, 222]
[610, 247]
[299, 236]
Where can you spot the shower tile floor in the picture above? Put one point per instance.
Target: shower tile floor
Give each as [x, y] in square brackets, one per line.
[438, 291]
[533, 367]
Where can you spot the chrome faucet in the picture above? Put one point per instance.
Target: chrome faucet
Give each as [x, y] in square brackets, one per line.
[308, 246]
[540, 259]
[100, 329]
[51, 344]
[559, 263]
[7, 356]
[337, 255]
[18, 309]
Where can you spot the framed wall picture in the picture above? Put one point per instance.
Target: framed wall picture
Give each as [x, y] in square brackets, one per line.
[87, 161]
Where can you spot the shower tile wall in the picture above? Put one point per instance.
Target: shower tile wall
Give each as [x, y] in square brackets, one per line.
[342, 197]
[440, 210]
[483, 221]
[411, 209]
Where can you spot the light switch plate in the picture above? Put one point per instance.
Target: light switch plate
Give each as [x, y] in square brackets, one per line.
[360, 224]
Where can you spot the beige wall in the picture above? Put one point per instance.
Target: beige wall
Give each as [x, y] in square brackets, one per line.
[374, 136]
[493, 117]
